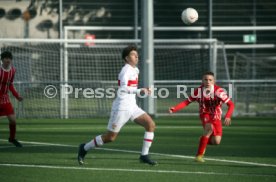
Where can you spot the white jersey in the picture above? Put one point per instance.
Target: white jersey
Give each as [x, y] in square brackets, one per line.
[128, 88]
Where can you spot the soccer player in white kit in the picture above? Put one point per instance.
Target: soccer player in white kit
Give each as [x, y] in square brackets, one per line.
[124, 107]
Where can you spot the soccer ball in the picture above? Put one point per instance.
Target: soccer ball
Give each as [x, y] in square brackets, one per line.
[189, 16]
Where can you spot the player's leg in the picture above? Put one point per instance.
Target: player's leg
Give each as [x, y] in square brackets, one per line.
[116, 122]
[7, 110]
[146, 121]
[207, 132]
[100, 140]
[85, 147]
[149, 125]
[215, 138]
[12, 127]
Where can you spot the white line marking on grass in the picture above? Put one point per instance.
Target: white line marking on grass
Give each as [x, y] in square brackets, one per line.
[165, 155]
[6, 147]
[134, 170]
[96, 127]
[44, 143]
[192, 157]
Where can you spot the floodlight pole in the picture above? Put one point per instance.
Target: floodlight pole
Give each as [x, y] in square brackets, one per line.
[63, 68]
[147, 52]
[136, 19]
[60, 20]
[212, 60]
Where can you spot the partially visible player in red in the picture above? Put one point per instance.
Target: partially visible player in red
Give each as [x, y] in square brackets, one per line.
[7, 72]
[210, 98]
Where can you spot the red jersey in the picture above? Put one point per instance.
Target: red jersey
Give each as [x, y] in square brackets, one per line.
[6, 83]
[210, 101]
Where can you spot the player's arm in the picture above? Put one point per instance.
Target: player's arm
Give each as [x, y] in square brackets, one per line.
[228, 115]
[13, 91]
[225, 99]
[185, 103]
[179, 106]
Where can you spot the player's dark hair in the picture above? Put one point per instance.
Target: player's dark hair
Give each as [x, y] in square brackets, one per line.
[127, 50]
[209, 73]
[6, 54]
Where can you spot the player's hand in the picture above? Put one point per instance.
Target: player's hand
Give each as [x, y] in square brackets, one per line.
[227, 121]
[171, 110]
[20, 99]
[146, 91]
[149, 91]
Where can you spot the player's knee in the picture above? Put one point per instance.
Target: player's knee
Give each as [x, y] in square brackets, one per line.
[208, 128]
[208, 131]
[109, 138]
[216, 142]
[12, 121]
[112, 139]
[151, 126]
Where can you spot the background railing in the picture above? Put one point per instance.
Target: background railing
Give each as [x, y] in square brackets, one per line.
[92, 66]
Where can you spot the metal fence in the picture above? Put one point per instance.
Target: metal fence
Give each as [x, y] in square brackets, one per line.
[41, 63]
[251, 97]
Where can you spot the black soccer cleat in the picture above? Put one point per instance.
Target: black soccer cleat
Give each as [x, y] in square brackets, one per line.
[15, 142]
[81, 154]
[145, 159]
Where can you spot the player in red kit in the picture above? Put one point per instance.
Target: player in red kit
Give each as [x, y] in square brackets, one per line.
[7, 72]
[210, 98]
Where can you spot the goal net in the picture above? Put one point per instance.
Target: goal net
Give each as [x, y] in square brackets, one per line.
[76, 69]
[179, 64]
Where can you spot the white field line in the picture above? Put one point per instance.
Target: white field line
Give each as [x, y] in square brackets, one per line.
[87, 128]
[134, 170]
[160, 154]
[192, 157]
[6, 147]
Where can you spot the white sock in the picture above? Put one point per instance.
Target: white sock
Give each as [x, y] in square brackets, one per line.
[96, 142]
[148, 138]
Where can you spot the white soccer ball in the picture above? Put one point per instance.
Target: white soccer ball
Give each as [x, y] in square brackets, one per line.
[189, 16]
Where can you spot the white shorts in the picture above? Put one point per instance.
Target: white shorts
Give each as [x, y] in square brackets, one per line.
[119, 118]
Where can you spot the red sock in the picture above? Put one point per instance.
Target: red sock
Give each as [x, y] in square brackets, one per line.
[12, 131]
[202, 145]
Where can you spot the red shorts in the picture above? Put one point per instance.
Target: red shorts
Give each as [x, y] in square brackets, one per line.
[6, 109]
[216, 124]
